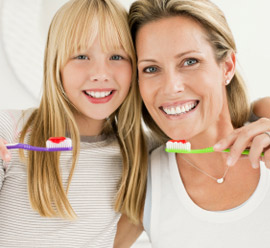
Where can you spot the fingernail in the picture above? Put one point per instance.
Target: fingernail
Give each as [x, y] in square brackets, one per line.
[217, 146]
[229, 161]
[255, 166]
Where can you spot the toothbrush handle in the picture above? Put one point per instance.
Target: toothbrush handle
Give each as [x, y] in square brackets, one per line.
[245, 152]
[37, 149]
[26, 147]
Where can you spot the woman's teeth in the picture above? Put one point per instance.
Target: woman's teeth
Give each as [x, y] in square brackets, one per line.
[98, 94]
[181, 109]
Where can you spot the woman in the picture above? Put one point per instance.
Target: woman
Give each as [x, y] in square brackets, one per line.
[192, 91]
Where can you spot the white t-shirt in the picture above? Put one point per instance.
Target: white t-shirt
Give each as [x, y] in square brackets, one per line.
[176, 221]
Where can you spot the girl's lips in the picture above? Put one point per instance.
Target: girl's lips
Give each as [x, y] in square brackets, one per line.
[99, 100]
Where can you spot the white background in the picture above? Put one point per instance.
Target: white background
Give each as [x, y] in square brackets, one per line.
[24, 24]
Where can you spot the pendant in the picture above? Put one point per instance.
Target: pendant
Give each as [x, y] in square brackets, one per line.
[220, 180]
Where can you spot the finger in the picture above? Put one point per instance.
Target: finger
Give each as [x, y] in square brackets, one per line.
[258, 145]
[4, 153]
[227, 141]
[266, 158]
[243, 138]
[242, 141]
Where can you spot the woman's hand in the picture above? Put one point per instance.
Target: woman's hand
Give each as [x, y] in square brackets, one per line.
[255, 137]
[4, 153]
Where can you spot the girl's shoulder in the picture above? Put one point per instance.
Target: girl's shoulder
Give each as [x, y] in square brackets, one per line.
[11, 123]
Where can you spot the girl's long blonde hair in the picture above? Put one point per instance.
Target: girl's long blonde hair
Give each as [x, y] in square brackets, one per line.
[77, 22]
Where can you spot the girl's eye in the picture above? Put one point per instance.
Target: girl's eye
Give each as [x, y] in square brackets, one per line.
[190, 62]
[82, 57]
[150, 69]
[116, 57]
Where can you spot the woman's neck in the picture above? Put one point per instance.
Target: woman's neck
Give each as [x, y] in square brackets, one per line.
[209, 138]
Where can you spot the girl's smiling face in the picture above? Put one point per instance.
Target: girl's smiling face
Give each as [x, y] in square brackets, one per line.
[181, 83]
[97, 81]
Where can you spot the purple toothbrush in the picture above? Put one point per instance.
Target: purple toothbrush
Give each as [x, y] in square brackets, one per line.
[53, 144]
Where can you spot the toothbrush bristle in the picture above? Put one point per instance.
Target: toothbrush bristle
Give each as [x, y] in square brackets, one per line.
[178, 145]
[55, 142]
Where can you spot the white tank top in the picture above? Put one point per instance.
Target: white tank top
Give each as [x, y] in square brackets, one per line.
[172, 219]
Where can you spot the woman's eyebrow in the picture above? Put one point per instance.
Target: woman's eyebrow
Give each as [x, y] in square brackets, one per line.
[179, 55]
[146, 60]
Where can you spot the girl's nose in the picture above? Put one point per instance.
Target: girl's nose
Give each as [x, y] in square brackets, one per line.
[99, 72]
[99, 77]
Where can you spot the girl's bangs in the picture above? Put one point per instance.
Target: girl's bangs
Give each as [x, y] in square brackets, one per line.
[84, 28]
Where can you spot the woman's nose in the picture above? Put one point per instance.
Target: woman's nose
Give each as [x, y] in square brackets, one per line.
[173, 83]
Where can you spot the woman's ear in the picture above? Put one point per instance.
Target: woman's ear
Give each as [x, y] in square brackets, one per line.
[229, 67]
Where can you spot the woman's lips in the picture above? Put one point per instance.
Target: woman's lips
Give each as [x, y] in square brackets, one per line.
[180, 108]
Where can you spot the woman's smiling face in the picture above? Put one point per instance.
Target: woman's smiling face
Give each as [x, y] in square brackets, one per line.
[180, 81]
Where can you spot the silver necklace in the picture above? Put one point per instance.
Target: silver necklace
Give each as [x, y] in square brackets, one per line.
[218, 180]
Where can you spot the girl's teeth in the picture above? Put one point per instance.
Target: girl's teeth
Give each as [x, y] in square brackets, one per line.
[99, 94]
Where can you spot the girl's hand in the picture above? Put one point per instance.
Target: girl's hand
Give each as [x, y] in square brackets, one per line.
[256, 136]
[4, 153]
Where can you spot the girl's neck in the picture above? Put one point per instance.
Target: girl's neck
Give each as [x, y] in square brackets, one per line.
[89, 127]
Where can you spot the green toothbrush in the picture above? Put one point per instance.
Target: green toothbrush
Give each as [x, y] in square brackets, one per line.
[182, 146]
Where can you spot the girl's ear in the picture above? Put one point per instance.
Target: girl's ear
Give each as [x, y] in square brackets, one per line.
[229, 67]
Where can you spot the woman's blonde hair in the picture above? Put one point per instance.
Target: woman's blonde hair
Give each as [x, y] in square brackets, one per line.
[220, 37]
[74, 27]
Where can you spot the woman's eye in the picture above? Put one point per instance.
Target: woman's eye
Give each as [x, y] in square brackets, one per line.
[116, 57]
[150, 69]
[189, 62]
[82, 57]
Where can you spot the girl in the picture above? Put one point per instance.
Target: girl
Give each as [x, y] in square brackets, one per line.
[89, 94]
